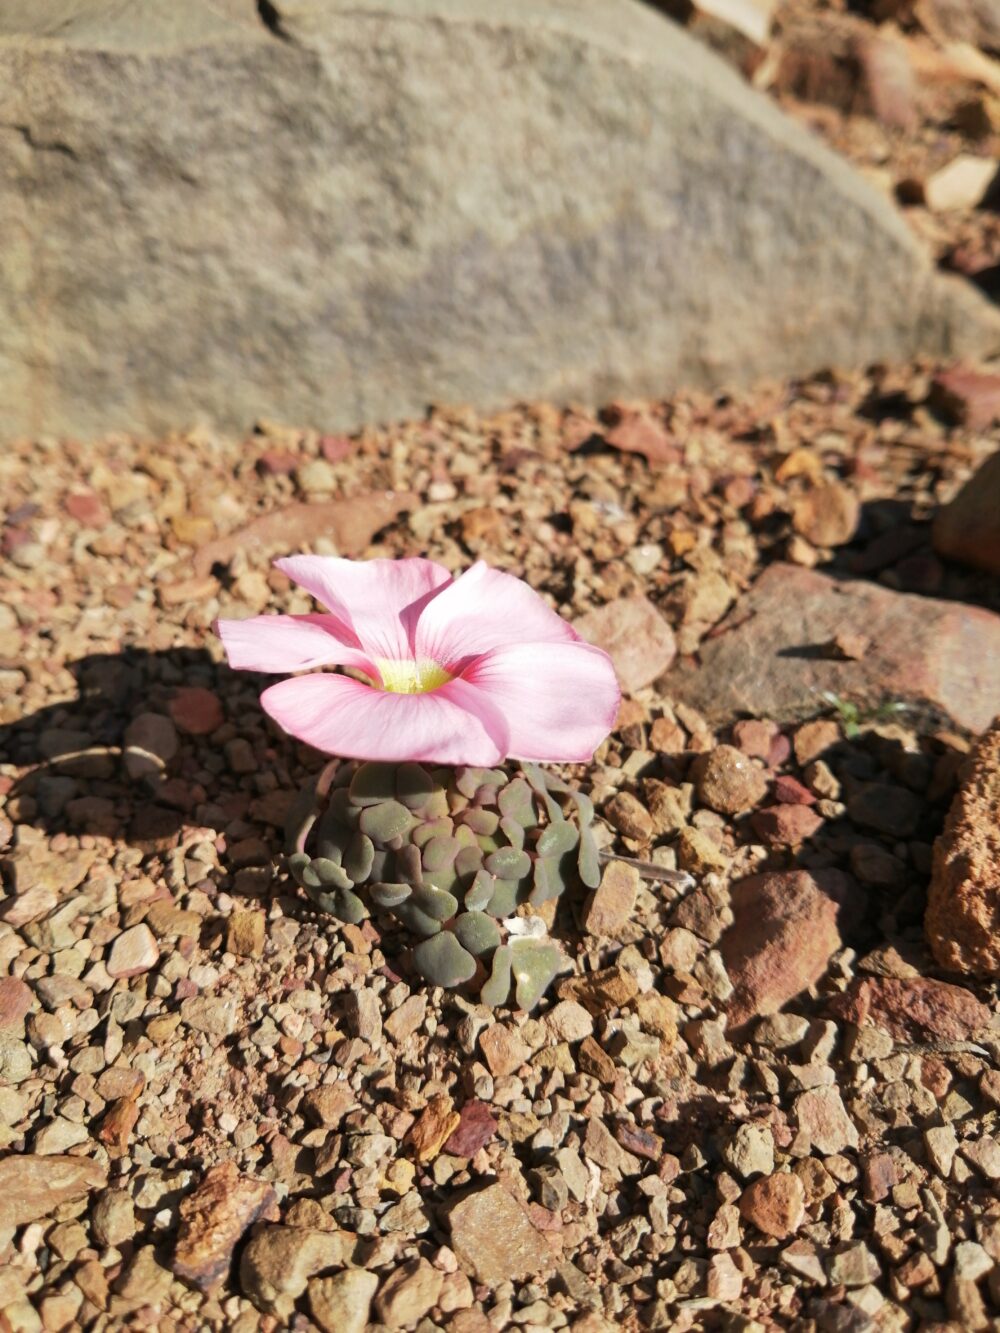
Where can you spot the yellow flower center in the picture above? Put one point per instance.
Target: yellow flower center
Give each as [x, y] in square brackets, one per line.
[411, 677]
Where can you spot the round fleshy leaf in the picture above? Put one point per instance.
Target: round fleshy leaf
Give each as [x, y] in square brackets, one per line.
[383, 866]
[389, 895]
[331, 874]
[508, 863]
[342, 809]
[480, 891]
[557, 839]
[504, 899]
[497, 987]
[373, 783]
[516, 802]
[298, 863]
[589, 862]
[436, 902]
[359, 857]
[414, 785]
[432, 828]
[480, 821]
[385, 821]
[344, 904]
[477, 932]
[469, 780]
[443, 961]
[408, 866]
[468, 862]
[440, 853]
[512, 831]
[549, 882]
[421, 923]
[534, 964]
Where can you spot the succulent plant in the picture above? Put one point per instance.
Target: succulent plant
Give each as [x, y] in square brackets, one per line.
[459, 856]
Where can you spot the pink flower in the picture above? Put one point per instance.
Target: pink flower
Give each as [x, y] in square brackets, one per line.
[455, 671]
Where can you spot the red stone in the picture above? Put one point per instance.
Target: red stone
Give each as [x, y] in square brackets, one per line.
[913, 1008]
[334, 448]
[638, 434]
[789, 791]
[476, 1127]
[970, 397]
[15, 1001]
[87, 508]
[196, 710]
[785, 825]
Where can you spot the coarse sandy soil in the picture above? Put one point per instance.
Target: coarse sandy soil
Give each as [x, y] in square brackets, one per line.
[767, 1109]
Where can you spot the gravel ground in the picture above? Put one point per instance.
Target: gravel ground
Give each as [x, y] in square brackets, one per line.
[746, 1108]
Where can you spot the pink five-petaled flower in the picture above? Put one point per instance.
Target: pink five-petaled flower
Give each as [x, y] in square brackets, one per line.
[456, 671]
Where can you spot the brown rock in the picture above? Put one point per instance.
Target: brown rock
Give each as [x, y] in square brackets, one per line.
[913, 1008]
[494, 1239]
[611, 904]
[196, 711]
[629, 816]
[215, 1218]
[133, 952]
[342, 1303]
[823, 1119]
[246, 933]
[435, 1125]
[278, 1262]
[34, 1186]
[349, 524]
[15, 1003]
[889, 81]
[593, 1059]
[969, 397]
[774, 1204]
[328, 1104]
[638, 640]
[827, 515]
[727, 781]
[600, 992]
[784, 933]
[117, 1126]
[968, 529]
[638, 434]
[699, 853]
[407, 1294]
[786, 825]
[503, 1049]
[767, 657]
[963, 906]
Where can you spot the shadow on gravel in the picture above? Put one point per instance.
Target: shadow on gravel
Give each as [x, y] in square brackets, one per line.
[153, 741]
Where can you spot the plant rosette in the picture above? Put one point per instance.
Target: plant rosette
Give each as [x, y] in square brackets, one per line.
[416, 816]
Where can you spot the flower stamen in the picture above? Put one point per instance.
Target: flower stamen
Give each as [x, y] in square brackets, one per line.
[411, 677]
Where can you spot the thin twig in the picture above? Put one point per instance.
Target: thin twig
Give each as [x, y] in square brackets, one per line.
[679, 878]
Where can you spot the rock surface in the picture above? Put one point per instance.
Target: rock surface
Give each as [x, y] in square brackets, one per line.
[635, 636]
[785, 931]
[913, 1008]
[32, 1186]
[495, 1240]
[968, 529]
[338, 212]
[769, 658]
[963, 904]
[213, 1220]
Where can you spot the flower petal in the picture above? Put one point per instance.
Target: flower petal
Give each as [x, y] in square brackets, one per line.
[485, 609]
[560, 699]
[453, 725]
[289, 643]
[379, 599]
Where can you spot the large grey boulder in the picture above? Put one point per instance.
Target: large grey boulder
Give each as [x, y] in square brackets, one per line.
[331, 211]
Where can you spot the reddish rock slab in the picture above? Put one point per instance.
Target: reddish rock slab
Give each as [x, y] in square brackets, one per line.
[15, 1002]
[635, 636]
[968, 529]
[769, 657]
[476, 1127]
[963, 906]
[786, 825]
[495, 1240]
[785, 929]
[33, 1186]
[774, 1204]
[913, 1009]
[214, 1219]
[969, 397]
[349, 524]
